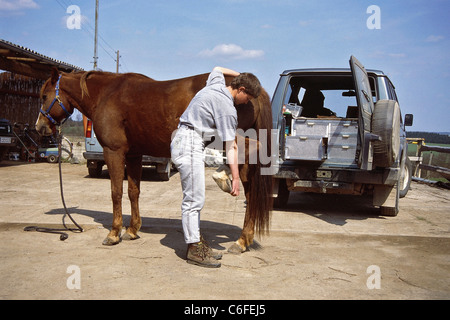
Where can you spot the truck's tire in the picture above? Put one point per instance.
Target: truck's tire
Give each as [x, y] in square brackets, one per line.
[281, 200]
[163, 170]
[405, 177]
[95, 172]
[2, 153]
[386, 124]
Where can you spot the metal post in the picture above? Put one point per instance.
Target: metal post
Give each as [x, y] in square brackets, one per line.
[96, 35]
[117, 65]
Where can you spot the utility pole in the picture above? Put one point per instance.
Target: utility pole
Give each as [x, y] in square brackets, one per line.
[96, 35]
[117, 61]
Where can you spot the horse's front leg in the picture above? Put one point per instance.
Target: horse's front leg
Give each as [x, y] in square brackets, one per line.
[116, 164]
[134, 173]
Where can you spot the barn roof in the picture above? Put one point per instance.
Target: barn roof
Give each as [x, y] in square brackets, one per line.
[21, 60]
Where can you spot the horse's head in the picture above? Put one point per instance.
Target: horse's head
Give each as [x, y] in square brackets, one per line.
[55, 108]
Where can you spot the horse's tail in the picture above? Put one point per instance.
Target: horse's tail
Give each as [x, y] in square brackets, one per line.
[260, 200]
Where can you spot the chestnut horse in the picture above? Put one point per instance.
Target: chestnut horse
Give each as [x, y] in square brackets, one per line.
[136, 115]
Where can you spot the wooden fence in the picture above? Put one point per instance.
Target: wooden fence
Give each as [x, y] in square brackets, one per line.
[417, 159]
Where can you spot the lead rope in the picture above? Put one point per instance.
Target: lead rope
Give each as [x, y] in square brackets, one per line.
[63, 235]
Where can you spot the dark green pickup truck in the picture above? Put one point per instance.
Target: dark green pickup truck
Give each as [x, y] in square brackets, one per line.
[340, 131]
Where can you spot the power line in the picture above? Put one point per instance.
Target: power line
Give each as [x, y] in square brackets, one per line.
[91, 30]
[123, 65]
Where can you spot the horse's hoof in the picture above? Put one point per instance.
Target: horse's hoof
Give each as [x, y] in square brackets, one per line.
[128, 237]
[236, 249]
[221, 177]
[111, 241]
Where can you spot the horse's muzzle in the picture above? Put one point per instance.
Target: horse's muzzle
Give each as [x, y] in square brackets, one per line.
[44, 127]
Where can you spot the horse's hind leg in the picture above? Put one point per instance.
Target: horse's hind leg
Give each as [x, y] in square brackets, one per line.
[248, 231]
[134, 172]
[246, 238]
[115, 162]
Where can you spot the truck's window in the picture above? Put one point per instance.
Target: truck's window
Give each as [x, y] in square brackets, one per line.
[322, 96]
[325, 95]
[382, 89]
[386, 90]
[392, 94]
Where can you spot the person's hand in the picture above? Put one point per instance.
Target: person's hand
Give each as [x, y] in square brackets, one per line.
[235, 187]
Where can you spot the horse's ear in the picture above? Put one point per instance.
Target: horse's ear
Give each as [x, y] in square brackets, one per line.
[55, 75]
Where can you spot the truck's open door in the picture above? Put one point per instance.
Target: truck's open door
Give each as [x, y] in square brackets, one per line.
[365, 104]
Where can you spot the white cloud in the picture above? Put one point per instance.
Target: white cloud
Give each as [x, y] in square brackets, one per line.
[304, 23]
[383, 55]
[14, 5]
[397, 55]
[231, 51]
[266, 26]
[433, 38]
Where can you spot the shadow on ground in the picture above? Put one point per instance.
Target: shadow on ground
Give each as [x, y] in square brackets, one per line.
[217, 234]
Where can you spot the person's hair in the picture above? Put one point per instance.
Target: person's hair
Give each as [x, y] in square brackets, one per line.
[249, 81]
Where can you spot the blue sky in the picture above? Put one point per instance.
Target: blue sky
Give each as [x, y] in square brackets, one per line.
[170, 39]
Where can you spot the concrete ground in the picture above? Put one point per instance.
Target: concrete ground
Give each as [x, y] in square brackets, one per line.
[320, 247]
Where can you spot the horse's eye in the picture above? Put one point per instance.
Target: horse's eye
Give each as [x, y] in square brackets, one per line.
[44, 97]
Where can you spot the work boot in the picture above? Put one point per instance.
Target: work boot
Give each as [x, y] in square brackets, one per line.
[201, 254]
[215, 254]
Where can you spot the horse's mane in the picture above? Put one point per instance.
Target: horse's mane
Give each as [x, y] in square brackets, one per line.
[83, 85]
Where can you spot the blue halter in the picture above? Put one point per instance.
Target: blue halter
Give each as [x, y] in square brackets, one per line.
[56, 99]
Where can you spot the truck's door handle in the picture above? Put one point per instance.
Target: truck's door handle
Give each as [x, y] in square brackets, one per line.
[366, 95]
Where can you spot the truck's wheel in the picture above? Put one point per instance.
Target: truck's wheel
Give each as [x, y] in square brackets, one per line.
[2, 153]
[283, 195]
[95, 172]
[163, 170]
[386, 124]
[405, 177]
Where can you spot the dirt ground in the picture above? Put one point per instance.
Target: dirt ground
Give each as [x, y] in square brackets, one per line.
[320, 247]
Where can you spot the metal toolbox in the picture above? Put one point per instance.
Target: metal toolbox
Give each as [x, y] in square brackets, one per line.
[322, 139]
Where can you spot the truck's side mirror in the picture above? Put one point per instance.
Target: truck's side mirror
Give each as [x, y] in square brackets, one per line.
[409, 120]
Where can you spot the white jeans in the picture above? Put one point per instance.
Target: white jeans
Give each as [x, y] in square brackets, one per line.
[187, 149]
